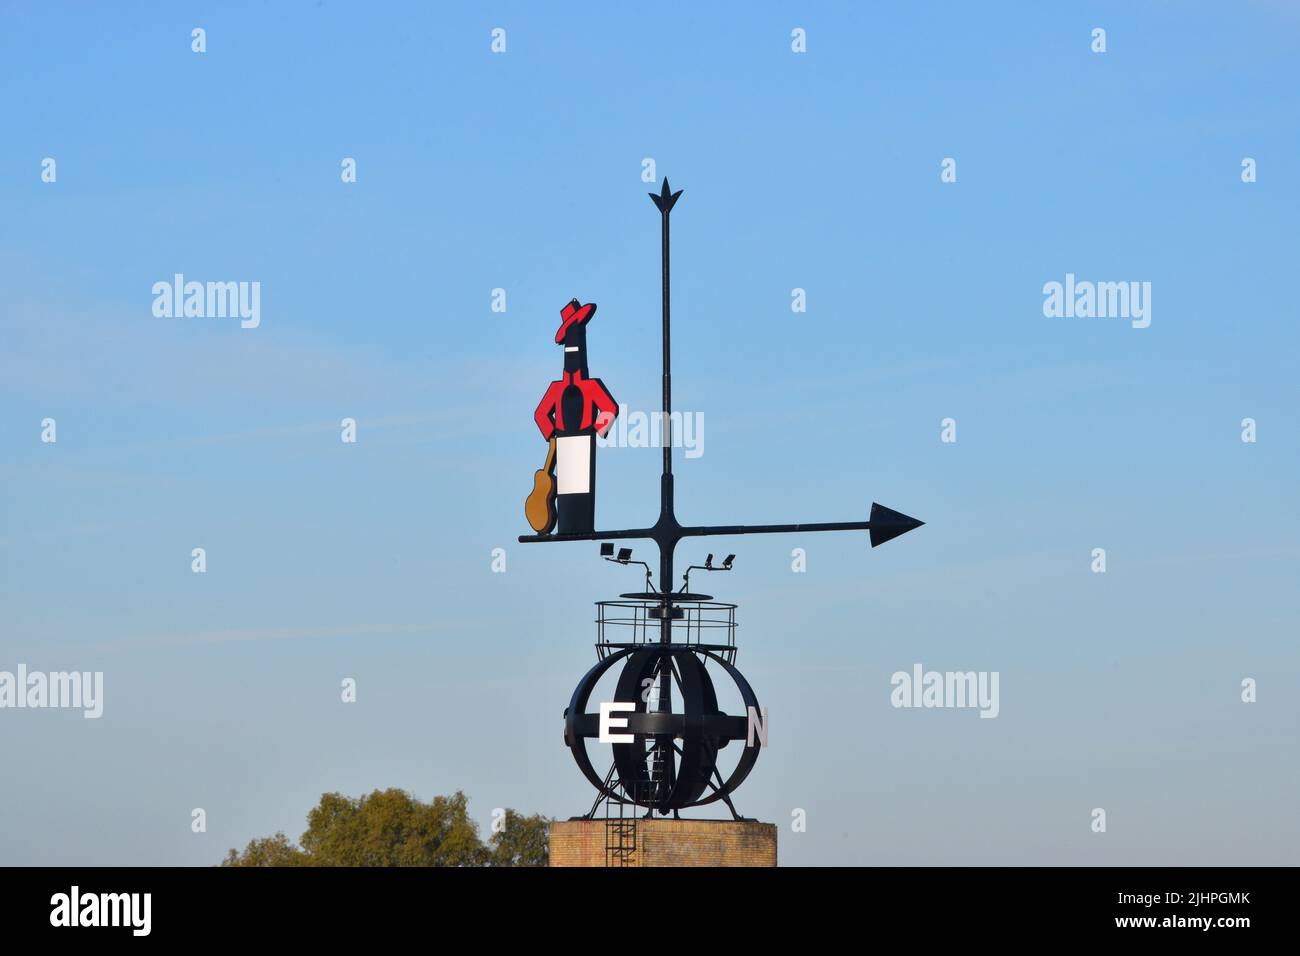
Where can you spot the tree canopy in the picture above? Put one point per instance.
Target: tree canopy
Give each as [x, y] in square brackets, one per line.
[393, 828]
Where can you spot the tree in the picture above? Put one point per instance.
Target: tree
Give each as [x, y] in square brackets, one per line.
[523, 841]
[393, 828]
[268, 851]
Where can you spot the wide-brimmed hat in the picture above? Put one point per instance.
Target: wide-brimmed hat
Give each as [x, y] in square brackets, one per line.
[574, 314]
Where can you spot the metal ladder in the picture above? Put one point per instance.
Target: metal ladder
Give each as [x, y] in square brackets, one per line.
[654, 781]
[620, 835]
[621, 825]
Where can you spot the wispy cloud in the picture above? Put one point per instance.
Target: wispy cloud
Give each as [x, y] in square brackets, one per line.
[186, 639]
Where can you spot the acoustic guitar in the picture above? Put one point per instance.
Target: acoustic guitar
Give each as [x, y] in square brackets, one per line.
[539, 507]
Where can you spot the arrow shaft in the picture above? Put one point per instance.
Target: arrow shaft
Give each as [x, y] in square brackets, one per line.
[775, 528]
[701, 531]
[593, 536]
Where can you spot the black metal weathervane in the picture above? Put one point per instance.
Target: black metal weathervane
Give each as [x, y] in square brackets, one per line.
[666, 776]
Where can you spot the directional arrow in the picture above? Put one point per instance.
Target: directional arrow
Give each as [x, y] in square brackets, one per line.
[887, 524]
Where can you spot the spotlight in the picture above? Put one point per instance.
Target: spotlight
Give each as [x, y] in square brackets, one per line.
[606, 548]
[726, 564]
[708, 563]
[624, 555]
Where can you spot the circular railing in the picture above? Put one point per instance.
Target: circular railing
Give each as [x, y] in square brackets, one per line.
[704, 625]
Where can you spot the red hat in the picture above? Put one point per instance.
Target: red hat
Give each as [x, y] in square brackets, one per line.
[574, 313]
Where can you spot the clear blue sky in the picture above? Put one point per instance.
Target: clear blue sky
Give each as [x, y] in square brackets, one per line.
[522, 171]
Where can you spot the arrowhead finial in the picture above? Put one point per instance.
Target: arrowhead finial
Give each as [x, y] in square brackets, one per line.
[887, 524]
[666, 198]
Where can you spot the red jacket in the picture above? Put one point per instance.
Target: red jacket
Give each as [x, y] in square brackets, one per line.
[550, 417]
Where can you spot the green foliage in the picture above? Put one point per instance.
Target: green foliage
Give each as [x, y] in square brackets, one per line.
[268, 851]
[393, 828]
[523, 841]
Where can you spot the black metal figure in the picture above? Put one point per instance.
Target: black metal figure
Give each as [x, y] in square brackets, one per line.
[575, 409]
[651, 769]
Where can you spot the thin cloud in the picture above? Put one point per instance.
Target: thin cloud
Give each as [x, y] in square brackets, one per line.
[186, 639]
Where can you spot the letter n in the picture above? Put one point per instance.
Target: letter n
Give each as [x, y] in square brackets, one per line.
[757, 727]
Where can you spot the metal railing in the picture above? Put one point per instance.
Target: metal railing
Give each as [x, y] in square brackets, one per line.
[706, 625]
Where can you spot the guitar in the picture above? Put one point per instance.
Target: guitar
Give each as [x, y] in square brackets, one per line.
[539, 507]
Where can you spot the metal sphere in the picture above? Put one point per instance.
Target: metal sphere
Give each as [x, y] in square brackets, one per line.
[679, 769]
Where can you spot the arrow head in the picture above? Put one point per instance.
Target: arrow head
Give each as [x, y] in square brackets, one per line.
[887, 524]
[666, 198]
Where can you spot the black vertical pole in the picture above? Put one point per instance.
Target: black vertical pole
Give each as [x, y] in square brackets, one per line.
[666, 504]
[664, 201]
[668, 360]
[664, 745]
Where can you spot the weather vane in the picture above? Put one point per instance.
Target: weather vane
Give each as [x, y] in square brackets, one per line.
[663, 761]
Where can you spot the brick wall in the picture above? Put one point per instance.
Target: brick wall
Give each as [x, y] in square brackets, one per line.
[669, 843]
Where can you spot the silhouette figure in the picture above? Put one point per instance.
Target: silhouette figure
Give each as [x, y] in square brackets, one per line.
[575, 409]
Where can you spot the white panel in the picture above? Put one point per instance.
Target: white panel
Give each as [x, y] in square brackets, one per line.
[573, 465]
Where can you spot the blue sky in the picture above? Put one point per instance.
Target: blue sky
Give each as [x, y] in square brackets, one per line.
[522, 171]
